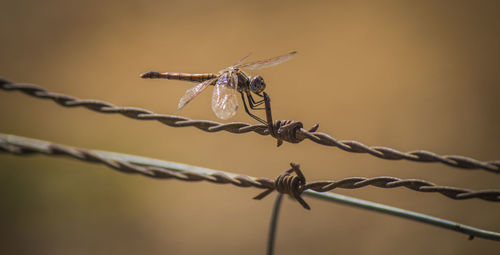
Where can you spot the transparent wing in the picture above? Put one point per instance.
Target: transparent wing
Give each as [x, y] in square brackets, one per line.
[192, 93]
[267, 62]
[243, 59]
[224, 98]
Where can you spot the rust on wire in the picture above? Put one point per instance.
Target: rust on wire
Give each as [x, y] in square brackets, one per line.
[284, 130]
[286, 183]
[291, 131]
[25, 146]
[132, 112]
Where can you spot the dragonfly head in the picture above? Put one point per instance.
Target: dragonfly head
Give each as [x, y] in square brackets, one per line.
[257, 84]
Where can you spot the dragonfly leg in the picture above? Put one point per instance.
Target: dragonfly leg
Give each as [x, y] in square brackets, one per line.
[248, 112]
[253, 103]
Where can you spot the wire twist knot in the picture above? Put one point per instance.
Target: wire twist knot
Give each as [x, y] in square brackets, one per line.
[284, 131]
[289, 130]
[292, 185]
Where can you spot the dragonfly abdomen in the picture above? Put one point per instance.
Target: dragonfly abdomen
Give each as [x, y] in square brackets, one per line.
[194, 77]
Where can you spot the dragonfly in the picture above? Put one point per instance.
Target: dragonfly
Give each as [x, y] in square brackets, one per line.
[227, 84]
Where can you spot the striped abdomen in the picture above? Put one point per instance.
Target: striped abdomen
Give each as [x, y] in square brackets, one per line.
[194, 77]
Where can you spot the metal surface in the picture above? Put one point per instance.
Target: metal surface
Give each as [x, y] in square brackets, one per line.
[24, 146]
[164, 170]
[394, 211]
[292, 185]
[238, 128]
[274, 224]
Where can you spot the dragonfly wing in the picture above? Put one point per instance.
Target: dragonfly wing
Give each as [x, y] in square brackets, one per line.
[224, 98]
[192, 93]
[268, 62]
[243, 59]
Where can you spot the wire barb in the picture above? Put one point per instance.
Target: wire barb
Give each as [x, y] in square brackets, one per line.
[154, 168]
[284, 130]
[292, 185]
[285, 182]
[289, 131]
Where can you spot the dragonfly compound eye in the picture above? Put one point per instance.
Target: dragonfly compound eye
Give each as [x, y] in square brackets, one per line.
[257, 84]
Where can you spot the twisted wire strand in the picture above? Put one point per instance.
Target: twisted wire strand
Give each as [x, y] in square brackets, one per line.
[392, 154]
[286, 130]
[293, 131]
[132, 112]
[25, 146]
[12, 144]
[134, 164]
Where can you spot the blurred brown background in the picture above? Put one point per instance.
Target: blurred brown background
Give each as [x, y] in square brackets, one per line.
[420, 75]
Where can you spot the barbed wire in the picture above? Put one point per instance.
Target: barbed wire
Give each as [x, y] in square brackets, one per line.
[164, 170]
[290, 131]
[24, 146]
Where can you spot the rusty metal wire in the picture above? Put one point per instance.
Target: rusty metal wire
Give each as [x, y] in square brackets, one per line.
[132, 112]
[292, 185]
[290, 131]
[163, 170]
[23, 146]
[413, 184]
[293, 132]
